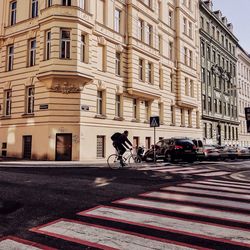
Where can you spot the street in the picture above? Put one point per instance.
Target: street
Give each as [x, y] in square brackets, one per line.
[205, 205]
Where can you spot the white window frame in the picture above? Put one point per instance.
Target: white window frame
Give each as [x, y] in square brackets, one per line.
[30, 91]
[118, 63]
[117, 20]
[118, 104]
[49, 3]
[99, 104]
[10, 57]
[34, 8]
[7, 102]
[84, 48]
[32, 52]
[140, 29]
[13, 8]
[150, 72]
[47, 45]
[66, 2]
[66, 43]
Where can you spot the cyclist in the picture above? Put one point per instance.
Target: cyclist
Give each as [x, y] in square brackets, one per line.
[120, 143]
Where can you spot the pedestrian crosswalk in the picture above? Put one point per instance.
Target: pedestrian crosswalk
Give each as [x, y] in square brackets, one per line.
[200, 214]
[186, 170]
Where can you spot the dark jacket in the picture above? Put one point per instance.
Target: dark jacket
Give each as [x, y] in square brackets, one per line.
[123, 139]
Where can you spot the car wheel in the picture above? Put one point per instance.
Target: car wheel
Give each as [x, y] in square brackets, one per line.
[169, 157]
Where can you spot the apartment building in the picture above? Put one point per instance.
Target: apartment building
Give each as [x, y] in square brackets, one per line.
[218, 77]
[73, 72]
[243, 79]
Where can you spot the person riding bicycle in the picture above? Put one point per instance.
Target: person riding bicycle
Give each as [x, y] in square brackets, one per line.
[120, 142]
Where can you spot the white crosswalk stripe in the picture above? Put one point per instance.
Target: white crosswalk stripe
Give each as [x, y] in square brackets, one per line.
[207, 192]
[103, 237]
[202, 200]
[231, 182]
[228, 189]
[188, 227]
[186, 209]
[212, 183]
[219, 173]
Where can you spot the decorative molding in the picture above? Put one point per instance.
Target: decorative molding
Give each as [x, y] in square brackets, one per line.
[100, 85]
[65, 88]
[30, 81]
[31, 34]
[101, 40]
[119, 89]
[9, 41]
[7, 85]
[119, 48]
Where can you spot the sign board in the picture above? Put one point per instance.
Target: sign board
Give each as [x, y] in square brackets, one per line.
[85, 108]
[247, 112]
[248, 126]
[154, 121]
[43, 106]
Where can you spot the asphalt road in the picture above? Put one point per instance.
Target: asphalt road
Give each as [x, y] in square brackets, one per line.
[30, 197]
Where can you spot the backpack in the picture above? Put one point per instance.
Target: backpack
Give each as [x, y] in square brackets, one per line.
[115, 136]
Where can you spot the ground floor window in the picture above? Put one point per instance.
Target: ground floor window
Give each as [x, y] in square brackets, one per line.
[100, 150]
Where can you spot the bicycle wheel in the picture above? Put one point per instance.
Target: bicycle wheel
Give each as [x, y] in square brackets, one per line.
[113, 161]
[134, 160]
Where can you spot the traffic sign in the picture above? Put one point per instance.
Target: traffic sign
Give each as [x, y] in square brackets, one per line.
[154, 121]
[247, 112]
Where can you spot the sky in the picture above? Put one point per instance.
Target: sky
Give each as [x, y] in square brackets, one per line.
[237, 13]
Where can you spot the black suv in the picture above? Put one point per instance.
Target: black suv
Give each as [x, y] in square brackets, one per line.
[173, 149]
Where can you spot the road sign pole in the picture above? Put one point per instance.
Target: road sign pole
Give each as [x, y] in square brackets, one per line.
[154, 147]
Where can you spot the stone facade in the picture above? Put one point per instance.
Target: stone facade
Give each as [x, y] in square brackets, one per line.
[218, 77]
[243, 79]
[74, 72]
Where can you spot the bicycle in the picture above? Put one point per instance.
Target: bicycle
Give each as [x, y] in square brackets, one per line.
[130, 159]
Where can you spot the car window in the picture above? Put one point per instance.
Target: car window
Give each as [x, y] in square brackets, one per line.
[184, 142]
[200, 144]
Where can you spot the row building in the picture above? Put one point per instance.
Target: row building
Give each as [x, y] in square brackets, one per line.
[73, 72]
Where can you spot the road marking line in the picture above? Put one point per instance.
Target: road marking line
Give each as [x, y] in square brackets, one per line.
[157, 168]
[202, 200]
[175, 169]
[184, 226]
[194, 171]
[14, 243]
[226, 189]
[221, 184]
[186, 209]
[232, 182]
[208, 192]
[215, 173]
[106, 237]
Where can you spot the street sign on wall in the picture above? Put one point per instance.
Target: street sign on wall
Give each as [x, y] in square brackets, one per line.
[247, 112]
[154, 121]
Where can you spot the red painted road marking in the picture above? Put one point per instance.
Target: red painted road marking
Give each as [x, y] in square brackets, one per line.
[172, 224]
[106, 237]
[14, 243]
[186, 209]
[195, 199]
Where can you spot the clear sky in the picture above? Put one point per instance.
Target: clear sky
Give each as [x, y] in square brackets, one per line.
[237, 13]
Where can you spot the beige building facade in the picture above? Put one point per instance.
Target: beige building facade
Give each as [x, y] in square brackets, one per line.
[73, 72]
[243, 76]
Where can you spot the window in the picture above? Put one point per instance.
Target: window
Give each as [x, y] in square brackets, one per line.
[184, 25]
[170, 18]
[118, 106]
[148, 34]
[10, 57]
[141, 69]
[197, 119]
[189, 118]
[220, 107]
[160, 43]
[161, 111]
[101, 57]
[65, 44]
[66, 2]
[148, 142]
[190, 58]
[118, 63]
[117, 21]
[148, 3]
[204, 103]
[205, 130]
[203, 75]
[214, 56]
[185, 56]
[170, 52]
[140, 30]
[13, 13]
[7, 103]
[135, 107]
[172, 82]
[84, 48]
[208, 52]
[47, 45]
[49, 3]
[182, 117]
[202, 49]
[225, 131]
[147, 111]
[160, 78]
[100, 149]
[150, 72]
[190, 29]
[215, 106]
[30, 100]
[172, 115]
[209, 78]
[191, 90]
[209, 100]
[34, 8]
[100, 102]
[32, 52]
[100, 11]
[83, 4]
[186, 86]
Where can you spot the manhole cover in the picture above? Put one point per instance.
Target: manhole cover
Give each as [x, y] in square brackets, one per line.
[7, 207]
[241, 176]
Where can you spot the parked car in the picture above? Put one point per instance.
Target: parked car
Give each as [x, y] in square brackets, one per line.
[243, 152]
[227, 152]
[200, 155]
[211, 152]
[173, 149]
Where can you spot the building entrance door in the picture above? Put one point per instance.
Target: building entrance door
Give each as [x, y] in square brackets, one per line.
[63, 147]
[27, 145]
